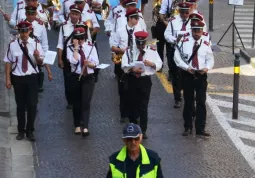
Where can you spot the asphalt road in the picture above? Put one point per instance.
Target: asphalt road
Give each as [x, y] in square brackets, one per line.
[61, 154]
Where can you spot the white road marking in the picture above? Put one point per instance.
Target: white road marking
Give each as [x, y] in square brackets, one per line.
[247, 151]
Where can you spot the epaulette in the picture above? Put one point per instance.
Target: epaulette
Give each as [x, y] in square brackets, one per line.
[89, 11]
[200, 13]
[118, 16]
[172, 18]
[205, 33]
[140, 11]
[21, 2]
[41, 11]
[119, 11]
[36, 40]
[152, 48]
[206, 43]
[140, 17]
[65, 1]
[39, 21]
[90, 44]
[185, 39]
[186, 34]
[12, 41]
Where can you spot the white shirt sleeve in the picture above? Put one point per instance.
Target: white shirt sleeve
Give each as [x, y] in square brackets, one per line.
[109, 21]
[178, 60]
[168, 33]
[44, 41]
[12, 21]
[94, 57]
[164, 5]
[94, 20]
[156, 59]
[209, 58]
[124, 62]
[114, 39]
[60, 39]
[142, 23]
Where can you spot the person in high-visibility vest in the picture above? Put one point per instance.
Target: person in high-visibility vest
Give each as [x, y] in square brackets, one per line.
[134, 160]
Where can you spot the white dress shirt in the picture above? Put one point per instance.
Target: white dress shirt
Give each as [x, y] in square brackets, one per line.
[175, 24]
[204, 53]
[110, 21]
[14, 55]
[150, 55]
[164, 5]
[20, 9]
[64, 9]
[65, 31]
[120, 38]
[76, 64]
[40, 32]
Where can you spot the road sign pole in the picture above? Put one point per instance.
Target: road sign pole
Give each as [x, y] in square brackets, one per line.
[211, 2]
[236, 86]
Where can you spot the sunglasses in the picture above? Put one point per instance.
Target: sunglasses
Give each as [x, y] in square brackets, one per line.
[23, 30]
[135, 17]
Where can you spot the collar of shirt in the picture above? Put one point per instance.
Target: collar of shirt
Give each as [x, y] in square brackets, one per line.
[70, 24]
[29, 41]
[130, 28]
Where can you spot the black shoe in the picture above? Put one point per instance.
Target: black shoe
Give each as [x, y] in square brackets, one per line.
[85, 134]
[145, 136]
[30, 136]
[69, 106]
[187, 132]
[40, 90]
[20, 136]
[177, 104]
[203, 133]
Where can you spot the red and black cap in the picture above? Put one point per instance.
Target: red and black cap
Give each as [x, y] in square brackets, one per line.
[130, 2]
[197, 24]
[75, 8]
[141, 37]
[184, 6]
[132, 12]
[24, 26]
[195, 16]
[31, 9]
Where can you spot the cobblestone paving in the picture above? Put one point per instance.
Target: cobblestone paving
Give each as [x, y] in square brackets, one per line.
[59, 153]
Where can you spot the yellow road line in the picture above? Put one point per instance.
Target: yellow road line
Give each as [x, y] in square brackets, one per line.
[169, 89]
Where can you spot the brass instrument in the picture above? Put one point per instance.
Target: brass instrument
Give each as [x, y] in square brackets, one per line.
[116, 58]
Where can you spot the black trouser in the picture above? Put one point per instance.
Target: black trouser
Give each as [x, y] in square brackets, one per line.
[139, 95]
[82, 92]
[40, 77]
[160, 30]
[175, 72]
[26, 96]
[67, 83]
[117, 70]
[123, 94]
[194, 83]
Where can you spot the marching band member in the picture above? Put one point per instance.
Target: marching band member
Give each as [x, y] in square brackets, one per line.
[64, 40]
[145, 62]
[87, 15]
[177, 26]
[198, 60]
[22, 58]
[19, 13]
[161, 24]
[83, 59]
[113, 15]
[64, 10]
[119, 42]
[39, 33]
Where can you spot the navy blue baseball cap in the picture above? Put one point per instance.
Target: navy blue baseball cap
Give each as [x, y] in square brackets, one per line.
[131, 131]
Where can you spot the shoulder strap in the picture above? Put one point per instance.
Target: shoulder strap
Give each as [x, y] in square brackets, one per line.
[28, 58]
[194, 52]
[172, 28]
[129, 60]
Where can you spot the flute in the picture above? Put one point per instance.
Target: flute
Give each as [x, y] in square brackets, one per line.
[84, 67]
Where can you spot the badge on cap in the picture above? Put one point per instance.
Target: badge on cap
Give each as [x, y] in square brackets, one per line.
[130, 129]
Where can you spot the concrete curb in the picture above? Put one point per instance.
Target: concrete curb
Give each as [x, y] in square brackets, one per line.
[250, 59]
